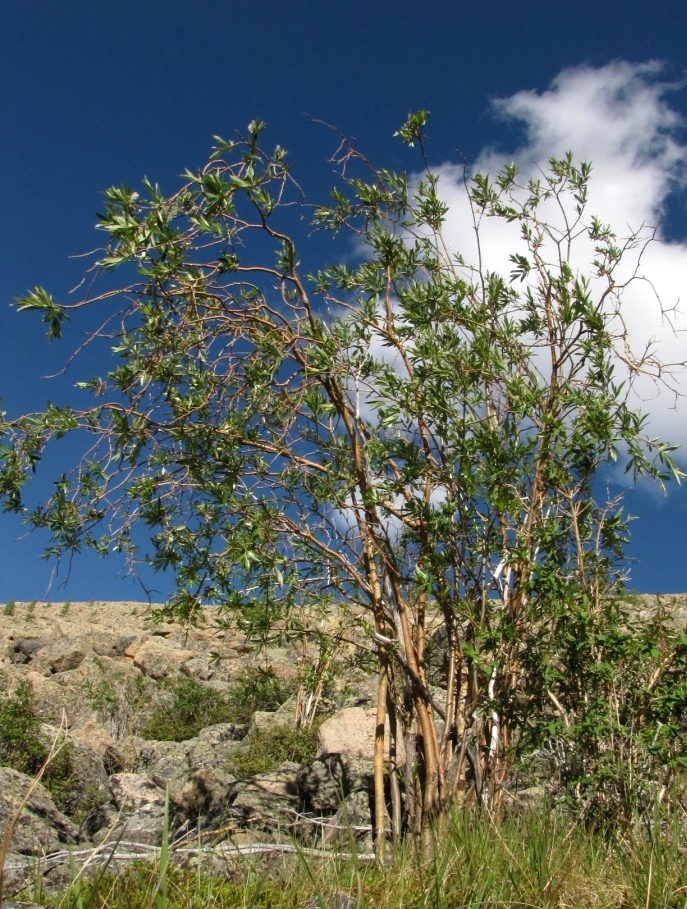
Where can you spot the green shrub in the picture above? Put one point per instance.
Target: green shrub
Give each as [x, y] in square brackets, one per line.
[119, 699]
[8, 608]
[257, 689]
[23, 749]
[268, 748]
[186, 708]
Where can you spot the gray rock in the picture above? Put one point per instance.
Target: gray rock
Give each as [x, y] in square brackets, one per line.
[61, 657]
[26, 648]
[326, 782]
[158, 658]
[41, 827]
[131, 791]
[354, 816]
[17, 875]
[265, 801]
[143, 826]
[201, 792]
[161, 761]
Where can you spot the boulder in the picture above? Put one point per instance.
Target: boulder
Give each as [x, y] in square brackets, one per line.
[61, 657]
[41, 828]
[265, 801]
[100, 743]
[158, 658]
[131, 791]
[215, 745]
[25, 649]
[161, 761]
[329, 780]
[145, 826]
[352, 732]
[201, 792]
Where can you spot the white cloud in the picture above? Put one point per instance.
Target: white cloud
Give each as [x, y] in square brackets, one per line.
[619, 118]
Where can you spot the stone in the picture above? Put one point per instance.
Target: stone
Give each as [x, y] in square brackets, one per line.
[326, 782]
[203, 668]
[352, 731]
[214, 745]
[26, 648]
[143, 826]
[61, 657]
[17, 874]
[201, 792]
[355, 815]
[265, 801]
[161, 761]
[41, 827]
[131, 791]
[159, 658]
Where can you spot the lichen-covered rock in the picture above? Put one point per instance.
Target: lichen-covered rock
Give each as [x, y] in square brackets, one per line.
[130, 791]
[265, 801]
[352, 731]
[326, 782]
[158, 658]
[61, 657]
[40, 827]
[201, 792]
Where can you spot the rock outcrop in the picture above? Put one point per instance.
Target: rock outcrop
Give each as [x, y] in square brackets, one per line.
[97, 672]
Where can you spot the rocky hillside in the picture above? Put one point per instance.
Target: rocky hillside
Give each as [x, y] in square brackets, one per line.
[202, 713]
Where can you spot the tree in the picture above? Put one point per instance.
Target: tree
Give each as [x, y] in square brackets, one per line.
[411, 438]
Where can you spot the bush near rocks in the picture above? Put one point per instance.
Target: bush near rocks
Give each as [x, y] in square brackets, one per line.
[269, 747]
[187, 706]
[24, 749]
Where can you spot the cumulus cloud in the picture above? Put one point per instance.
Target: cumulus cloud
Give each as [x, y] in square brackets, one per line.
[619, 118]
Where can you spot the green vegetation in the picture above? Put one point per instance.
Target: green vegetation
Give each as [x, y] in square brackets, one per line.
[538, 860]
[271, 746]
[257, 689]
[398, 429]
[186, 706]
[30, 610]
[9, 607]
[120, 700]
[24, 749]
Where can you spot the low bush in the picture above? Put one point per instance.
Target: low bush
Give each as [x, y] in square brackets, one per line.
[270, 747]
[257, 689]
[187, 706]
[24, 749]
[119, 699]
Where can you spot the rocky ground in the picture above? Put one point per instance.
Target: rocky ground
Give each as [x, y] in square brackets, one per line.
[97, 671]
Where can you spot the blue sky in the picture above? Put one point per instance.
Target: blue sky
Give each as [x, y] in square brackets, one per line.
[94, 94]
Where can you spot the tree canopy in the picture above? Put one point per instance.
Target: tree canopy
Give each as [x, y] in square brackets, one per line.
[403, 436]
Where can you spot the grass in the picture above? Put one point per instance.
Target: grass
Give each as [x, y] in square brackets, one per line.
[9, 607]
[190, 706]
[531, 860]
[270, 747]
